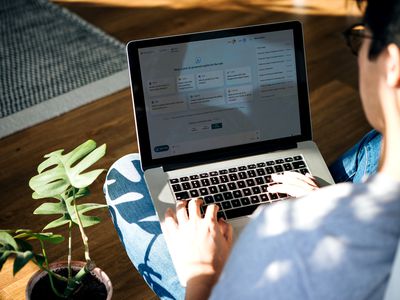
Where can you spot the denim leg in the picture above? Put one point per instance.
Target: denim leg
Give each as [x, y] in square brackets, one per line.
[138, 227]
[361, 160]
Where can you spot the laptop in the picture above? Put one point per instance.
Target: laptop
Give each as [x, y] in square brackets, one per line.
[218, 112]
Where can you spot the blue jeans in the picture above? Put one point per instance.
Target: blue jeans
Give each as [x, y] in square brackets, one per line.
[138, 227]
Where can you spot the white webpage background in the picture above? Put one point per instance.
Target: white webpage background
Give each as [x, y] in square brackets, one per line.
[217, 93]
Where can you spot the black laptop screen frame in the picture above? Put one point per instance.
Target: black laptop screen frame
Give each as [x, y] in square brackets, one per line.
[185, 160]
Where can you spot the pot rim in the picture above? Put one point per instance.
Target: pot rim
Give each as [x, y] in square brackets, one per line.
[96, 272]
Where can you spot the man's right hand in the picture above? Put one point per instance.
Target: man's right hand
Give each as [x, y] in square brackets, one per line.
[294, 184]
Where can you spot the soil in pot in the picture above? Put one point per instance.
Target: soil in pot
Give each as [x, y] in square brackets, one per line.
[91, 288]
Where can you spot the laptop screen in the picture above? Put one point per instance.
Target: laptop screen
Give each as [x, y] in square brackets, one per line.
[207, 93]
[217, 93]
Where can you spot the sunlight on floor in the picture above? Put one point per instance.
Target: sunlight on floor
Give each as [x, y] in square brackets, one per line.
[309, 7]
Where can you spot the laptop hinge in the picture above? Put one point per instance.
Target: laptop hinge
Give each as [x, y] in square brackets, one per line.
[217, 158]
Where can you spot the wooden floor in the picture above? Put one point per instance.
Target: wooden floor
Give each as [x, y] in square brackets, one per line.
[336, 112]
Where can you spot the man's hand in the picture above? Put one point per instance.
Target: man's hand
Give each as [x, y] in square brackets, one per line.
[293, 184]
[198, 246]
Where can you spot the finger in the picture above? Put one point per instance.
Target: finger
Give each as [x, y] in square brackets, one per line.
[211, 213]
[290, 189]
[170, 223]
[226, 230]
[293, 178]
[194, 208]
[181, 211]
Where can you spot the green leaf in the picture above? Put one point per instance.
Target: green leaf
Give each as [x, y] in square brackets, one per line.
[23, 245]
[88, 221]
[40, 259]
[21, 259]
[43, 236]
[50, 208]
[57, 223]
[7, 239]
[84, 180]
[3, 258]
[82, 208]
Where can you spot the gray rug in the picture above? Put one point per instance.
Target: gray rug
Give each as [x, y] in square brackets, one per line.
[52, 61]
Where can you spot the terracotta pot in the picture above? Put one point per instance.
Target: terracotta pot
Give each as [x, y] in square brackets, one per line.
[76, 266]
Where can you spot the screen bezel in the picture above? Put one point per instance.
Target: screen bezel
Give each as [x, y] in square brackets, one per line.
[180, 161]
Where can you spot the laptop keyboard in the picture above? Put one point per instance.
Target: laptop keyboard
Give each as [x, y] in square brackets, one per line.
[237, 191]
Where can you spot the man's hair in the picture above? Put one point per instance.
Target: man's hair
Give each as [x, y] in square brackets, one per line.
[382, 17]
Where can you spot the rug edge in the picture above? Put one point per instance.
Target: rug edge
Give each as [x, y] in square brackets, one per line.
[63, 103]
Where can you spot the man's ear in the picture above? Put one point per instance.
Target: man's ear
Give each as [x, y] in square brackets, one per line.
[393, 66]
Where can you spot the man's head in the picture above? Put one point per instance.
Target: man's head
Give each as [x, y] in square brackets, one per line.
[379, 62]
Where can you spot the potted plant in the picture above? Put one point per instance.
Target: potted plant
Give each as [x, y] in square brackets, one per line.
[61, 177]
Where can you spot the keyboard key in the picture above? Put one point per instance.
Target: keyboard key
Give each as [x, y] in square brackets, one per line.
[273, 196]
[214, 180]
[242, 175]
[270, 163]
[264, 188]
[246, 192]
[250, 182]
[288, 159]
[241, 184]
[299, 164]
[215, 173]
[195, 184]
[208, 199]
[175, 180]
[226, 205]
[222, 188]
[194, 193]
[245, 201]
[237, 194]
[279, 161]
[251, 173]
[213, 189]
[260, 165]
[269, 170]
[304, 171]
[203, 175]
[259, 180]
[205, 182]
[242, 168]
[186, 186]
[183, 179]
[256, 190]
[264, 198]
[232, 186]
[204, 192]
[176, 187]
[232, 170]
[287, 167]
[236, 202]
[182, 196]
[233, 177]
[260, 172]
[228, 196]
[252, 166]
[224, 178]
[240, 212]
[278, 169]
[194, 177]
[222, 172]
[298, 157]
[268, 178]
[281, 195]
[218, 198]
[220, 215]
[254, 199]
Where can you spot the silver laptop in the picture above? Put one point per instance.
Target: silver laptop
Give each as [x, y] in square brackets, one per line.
[218, 112]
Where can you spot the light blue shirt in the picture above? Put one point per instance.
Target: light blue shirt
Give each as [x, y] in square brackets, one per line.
[337, 243]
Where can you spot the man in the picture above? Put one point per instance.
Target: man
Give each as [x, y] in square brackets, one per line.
[337, 242]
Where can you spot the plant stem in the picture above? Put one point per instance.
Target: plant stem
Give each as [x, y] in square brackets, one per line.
[84, 236]
[50, 274]
[69, 249]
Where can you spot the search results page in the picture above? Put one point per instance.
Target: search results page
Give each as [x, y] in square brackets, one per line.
[218, 93]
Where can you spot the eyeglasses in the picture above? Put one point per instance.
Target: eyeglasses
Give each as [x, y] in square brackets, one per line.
[354, 37]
